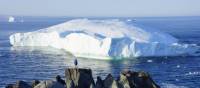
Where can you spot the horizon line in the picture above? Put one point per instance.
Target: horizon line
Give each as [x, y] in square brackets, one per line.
[98, 16]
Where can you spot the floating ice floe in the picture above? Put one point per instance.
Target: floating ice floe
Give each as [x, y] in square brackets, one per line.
[149, 61]
[11, 19]
[166, 85]
[104, 39]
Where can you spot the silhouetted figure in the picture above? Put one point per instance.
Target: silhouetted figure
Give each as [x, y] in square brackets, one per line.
[75, 62]
[58, 79]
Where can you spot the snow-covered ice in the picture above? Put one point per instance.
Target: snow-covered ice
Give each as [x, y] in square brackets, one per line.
[104, 38]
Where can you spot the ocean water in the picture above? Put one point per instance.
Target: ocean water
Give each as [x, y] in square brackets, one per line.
[42, 63]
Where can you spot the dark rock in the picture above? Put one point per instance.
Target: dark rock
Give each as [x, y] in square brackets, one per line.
[10, 86]
[58, 79]
[99, 83]
[145, 81]
[123, 81]
[49, 84]
[80, 78]
[130, 76]
[126, 73]
[92, 86]
[110, 82]
[20, 84]
[34, 83]
[141, 80]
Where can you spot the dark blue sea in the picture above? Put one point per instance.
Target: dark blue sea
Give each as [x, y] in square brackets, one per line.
[42, 63]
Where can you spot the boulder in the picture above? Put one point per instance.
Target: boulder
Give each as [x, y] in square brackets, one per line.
[80, 78]
[123, 81]
[9, 86]
[34, 83]
[110, 82]
[99, 83]
[139, 80]
[19, 84]
[49, 84]
[125, 76]
[60, 80]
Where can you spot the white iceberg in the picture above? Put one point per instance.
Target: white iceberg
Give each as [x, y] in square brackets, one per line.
[104, 38]
[11, 19]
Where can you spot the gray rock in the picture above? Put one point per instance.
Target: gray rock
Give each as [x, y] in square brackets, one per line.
[60, 80]
[20, 84]
[9, 86]
[123, 81]
[145, 81]
[34, 83]
[80, 78]
[140, 80]
[49, 84]
[110, 82]
[127, 75]
[99, 83]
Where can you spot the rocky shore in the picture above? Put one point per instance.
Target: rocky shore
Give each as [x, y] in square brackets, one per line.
[82, 78]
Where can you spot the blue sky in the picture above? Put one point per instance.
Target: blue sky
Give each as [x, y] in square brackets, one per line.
[117, 8]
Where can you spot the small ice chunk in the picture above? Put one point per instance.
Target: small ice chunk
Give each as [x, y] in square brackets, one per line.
[149, 61]
[178, 66]
[11, 19]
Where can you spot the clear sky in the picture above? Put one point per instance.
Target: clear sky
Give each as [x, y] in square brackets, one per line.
[117, 8]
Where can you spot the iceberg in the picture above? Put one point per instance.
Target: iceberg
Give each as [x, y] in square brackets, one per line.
[11, 19]
[104, 39]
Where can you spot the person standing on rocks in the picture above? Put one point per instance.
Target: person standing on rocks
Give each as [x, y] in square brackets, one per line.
[76, 63]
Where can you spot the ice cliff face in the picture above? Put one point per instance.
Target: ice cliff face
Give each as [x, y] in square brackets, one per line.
[104, 38]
